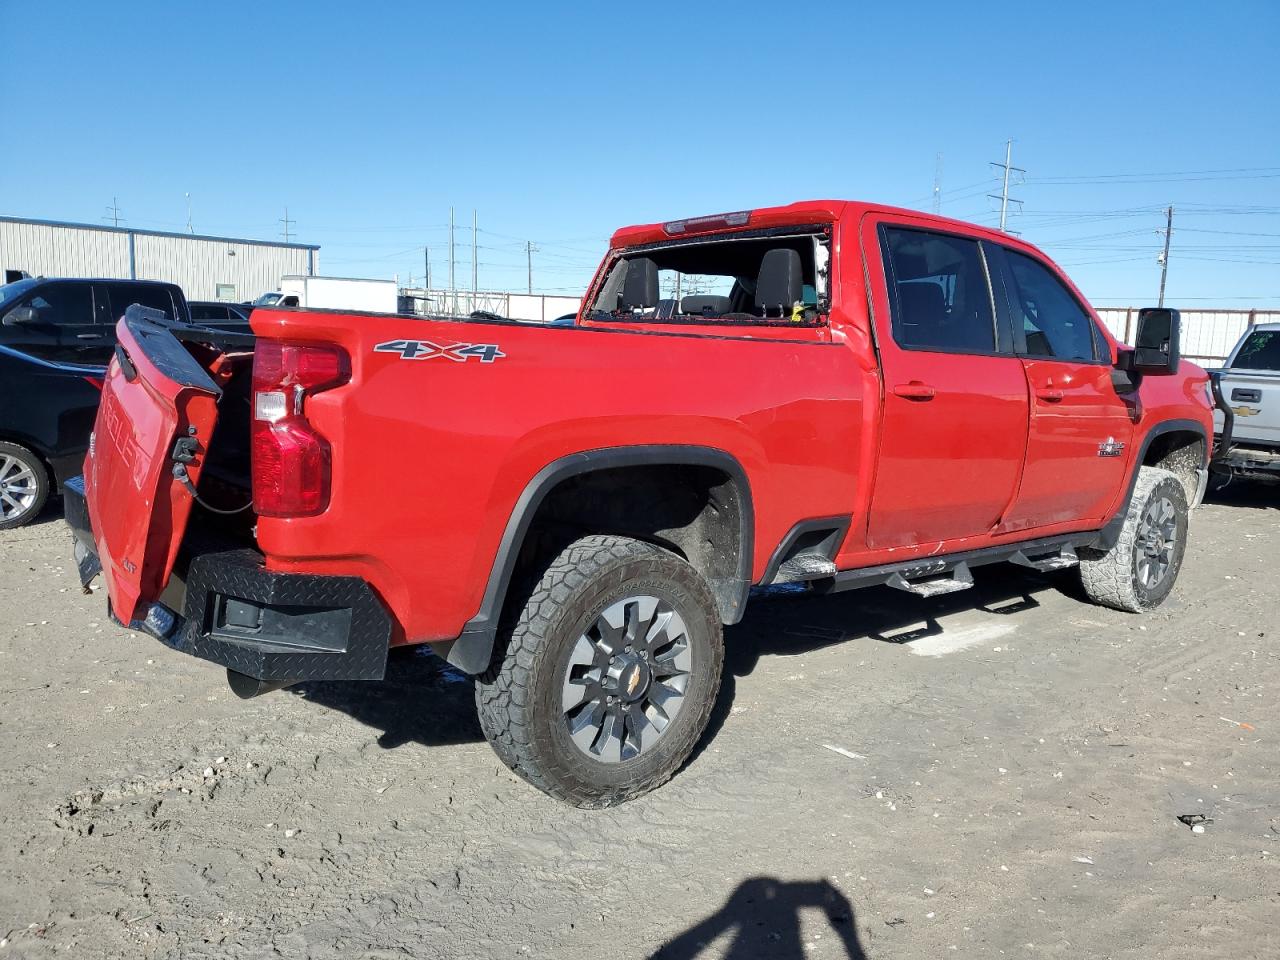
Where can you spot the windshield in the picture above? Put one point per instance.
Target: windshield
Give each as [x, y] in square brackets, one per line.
[12, 291]
[1260, 352]
[267, 300]
[736, 279]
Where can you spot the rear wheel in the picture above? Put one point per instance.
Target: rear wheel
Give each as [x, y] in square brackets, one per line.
[608, 674]
[24, 486]
[1139, 572]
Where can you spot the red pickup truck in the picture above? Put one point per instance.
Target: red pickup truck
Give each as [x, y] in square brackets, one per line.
[829, 393]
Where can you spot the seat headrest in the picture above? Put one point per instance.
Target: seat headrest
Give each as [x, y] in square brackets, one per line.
[640, 289]
[922, 302]
[705, 305]
[781, 281]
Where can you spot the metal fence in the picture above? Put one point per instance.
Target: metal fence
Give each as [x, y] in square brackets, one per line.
[1207, 335]
[541, 308]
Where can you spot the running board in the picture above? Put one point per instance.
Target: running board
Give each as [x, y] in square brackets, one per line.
[928, 576]
[960, 579]
[1065, 558]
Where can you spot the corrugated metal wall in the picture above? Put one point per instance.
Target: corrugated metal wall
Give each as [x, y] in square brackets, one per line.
[1207, 335]
[197, 264]
[50, 251]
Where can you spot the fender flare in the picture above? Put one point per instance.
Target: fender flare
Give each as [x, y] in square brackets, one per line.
[472, 651]
[1110, 533]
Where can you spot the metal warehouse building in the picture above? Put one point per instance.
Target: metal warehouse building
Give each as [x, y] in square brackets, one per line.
[207, 268]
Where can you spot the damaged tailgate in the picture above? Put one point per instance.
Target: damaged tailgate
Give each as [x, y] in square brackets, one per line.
[158, 411]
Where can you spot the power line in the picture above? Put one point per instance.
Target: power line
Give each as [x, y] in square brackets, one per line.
[286, 221]
[529, 248]
[937, 185]
[1164, 257]
[113, 212]
[1004, 197]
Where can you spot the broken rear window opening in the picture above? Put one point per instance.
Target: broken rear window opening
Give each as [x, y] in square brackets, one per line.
[781, 280]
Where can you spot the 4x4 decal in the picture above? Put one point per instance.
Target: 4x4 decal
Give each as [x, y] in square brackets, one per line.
[426, 350]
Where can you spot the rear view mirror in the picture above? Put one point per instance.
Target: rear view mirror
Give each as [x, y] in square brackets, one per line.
[1157, 347]
[19, 316]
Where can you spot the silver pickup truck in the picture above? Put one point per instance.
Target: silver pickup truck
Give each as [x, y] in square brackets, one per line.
[1247, 421]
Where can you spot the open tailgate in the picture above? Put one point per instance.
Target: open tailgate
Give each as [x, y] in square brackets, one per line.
[156, 394]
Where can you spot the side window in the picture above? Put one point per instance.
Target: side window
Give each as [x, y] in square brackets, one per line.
[1052, 319]
[939, 296]
[124, 295]
[1260, 352]
[63, 304]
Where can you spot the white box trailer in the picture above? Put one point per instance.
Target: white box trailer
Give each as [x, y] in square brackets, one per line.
[334, 293]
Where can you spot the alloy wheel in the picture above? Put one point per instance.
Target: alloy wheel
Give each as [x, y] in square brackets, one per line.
[18, 488]
[626, 679]
[1157, 540]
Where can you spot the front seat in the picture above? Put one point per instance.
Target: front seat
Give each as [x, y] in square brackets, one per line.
[780, 283]
[924, 312]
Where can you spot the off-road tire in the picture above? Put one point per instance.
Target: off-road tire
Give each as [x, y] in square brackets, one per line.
[519, 697]
[1111, 577]
[39, 486]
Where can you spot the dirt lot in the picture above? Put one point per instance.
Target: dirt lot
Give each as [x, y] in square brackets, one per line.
[995, 773]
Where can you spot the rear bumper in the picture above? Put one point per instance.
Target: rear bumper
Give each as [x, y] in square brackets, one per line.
[266, 625]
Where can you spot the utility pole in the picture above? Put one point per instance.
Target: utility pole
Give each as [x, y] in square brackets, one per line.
[453, 297]
[1004, 197]
[113, 212]
[426, 269]
[475, 272]
[286, 221]
[189, 227]
[1164, 257]
[529, 248]
[937, 185]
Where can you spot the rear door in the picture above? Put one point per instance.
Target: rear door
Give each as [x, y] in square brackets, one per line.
[1081, 425]
[954, 425]
[153, 295]
[155, 394]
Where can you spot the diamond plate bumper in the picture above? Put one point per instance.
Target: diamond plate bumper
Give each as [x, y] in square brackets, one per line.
[265, 625]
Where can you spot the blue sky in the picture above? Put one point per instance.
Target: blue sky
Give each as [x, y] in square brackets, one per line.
[560, 122]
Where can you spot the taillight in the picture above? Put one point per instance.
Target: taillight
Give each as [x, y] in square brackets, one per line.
[291, 473]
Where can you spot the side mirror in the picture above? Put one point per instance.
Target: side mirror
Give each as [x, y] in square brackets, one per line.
[20, 316]
[1157, 347]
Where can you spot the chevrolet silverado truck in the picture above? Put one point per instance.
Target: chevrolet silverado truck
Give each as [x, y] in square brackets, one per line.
[1247, 423]
[829, 394]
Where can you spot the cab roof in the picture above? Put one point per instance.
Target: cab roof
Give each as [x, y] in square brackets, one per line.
[792, 214]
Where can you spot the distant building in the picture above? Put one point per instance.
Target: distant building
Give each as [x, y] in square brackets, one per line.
[207, 268]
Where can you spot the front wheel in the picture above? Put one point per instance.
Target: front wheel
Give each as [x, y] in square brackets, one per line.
[1139, 572]
[608, 674]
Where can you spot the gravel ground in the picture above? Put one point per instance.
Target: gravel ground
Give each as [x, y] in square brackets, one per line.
[997, 772]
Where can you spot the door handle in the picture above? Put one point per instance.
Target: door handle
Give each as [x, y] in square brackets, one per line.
[915, 390]
[1050, 396]
[88, 336]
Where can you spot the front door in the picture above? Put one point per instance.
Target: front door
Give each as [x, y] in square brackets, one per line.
[1081, 425]
[954, 427]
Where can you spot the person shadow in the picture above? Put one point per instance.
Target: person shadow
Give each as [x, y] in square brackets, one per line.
[762, 918]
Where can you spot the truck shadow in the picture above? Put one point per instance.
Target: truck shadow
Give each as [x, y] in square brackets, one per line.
[1237, 492]
[762, 919]
[424, 700]
[793, 625]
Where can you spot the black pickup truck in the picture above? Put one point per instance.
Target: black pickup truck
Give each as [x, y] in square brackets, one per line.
[56, 337]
